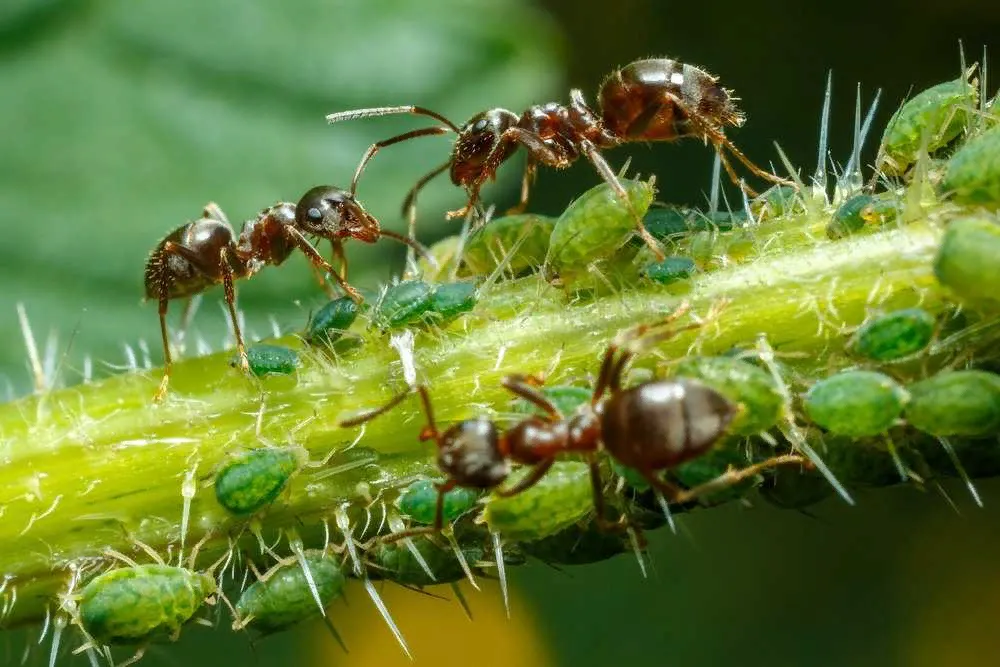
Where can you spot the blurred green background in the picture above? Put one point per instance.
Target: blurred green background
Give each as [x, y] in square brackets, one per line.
[121, 119]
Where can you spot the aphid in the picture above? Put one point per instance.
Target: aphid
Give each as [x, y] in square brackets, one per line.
[863, 211]
[576, 545]
[929, 121]
[793, 490]
[895, 335]
[450, 300]
[139, 604]
[266, 359]
[397, 563]
[647, 100]
[526, 236]
[973, 173]
[595, 226]
[565, 397]
[206, 252]
[650, 427]
[752, 388]
[856, 403]
[670, 270]
[331, 321]
[283, 596]
[561, 498]
[253, 480]
[418, 501]
[966, 262]
[955, 403]
[403, 303]
[776, 202]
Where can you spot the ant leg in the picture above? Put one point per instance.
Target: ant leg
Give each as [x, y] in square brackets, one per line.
[526, 180]
[337, 253]
[230, 292]
[604, 169]
[430, 432]
[415, 246]
[532, 478]
[517, 386]
[469, 205]
[376, 147]
[167, 361]
[296, 237]
[372, 414]
[722, 141]
[600, 508]
[732, 477]
[438, 525]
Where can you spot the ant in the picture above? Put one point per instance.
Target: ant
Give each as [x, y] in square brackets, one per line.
[651, 427]
[647, 100]
[206, 252]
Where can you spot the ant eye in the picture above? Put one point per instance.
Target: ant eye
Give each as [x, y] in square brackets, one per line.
[480, 125]
[315, 214]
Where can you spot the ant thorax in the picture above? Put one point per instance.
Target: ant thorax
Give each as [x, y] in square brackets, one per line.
[263, 240]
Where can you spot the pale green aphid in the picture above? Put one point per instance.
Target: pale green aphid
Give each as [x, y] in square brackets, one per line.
[283, 597]
[930, 120]
[967, 262]
[752, 388]
[856, 403]
[267, 360]
[973, 173]
[520, 240]
[397, 563]
[895, 335]
[142, 603]
[596, 226]
[331, 321]
[253, 480]
[863, 212]
[562, 498]
[418, 501]
[956, 403]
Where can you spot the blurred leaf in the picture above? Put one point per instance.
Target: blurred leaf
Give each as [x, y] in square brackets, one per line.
[121, 120]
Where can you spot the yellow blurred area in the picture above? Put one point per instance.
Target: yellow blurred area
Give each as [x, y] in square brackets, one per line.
[437, 630]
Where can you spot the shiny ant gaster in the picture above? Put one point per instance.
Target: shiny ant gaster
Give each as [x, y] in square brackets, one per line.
[647, 100]
[651, 427]
[206, 252]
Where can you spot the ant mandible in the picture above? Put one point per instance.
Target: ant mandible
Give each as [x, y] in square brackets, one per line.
[206, 252]
[647, 100]
[651, 427]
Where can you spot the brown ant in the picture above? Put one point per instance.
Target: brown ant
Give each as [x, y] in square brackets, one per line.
[206, 252]
[647, 100]
[651, 427]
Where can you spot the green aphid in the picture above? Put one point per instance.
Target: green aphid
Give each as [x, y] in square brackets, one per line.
[404, 303]
[863, 211]
[895, 335]
[710, 465]
[450, 300]
[419, 502]
[956, 403]
[967, 261]
[267, 360]
[577, 545]
[253, 480]
[395, 561]
[752, 388]
[871, 465]
[973, 173]
[666, 224]
[776, 202]
[595, 226]
[522, 240]
[566, 398]
[931, 120]
[142, 603]
[856, 403]
[331, 321]
[562, 497]
[670, 270]
[283, 597]
[794, 489]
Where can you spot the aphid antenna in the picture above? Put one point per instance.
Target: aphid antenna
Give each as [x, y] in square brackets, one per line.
[950, 451]
[501, 570]
[819, 181]
[502, 264]
[790, 429]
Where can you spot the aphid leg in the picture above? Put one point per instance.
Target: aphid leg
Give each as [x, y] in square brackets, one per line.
[604, 169]
[376, 147]
[296, 237]
[230, 292]
[136, 657]
[529, 480]
[734, 476]
[516, 385]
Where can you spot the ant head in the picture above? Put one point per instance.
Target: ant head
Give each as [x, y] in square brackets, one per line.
[263, 239]
[476, 140]
[328, 212]
[469, 453]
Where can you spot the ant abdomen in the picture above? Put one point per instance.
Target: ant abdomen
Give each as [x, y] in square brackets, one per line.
[204, 238]
[662, 424]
